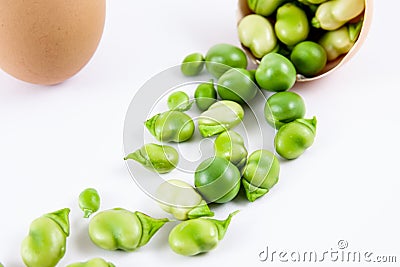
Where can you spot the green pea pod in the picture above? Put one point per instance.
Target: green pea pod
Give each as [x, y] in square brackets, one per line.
[260, 174]
[230, 145]
[89, 201]
[257, 33]
[46, 243]
[340, 41]
[291, 25]
[293, 138]
[264, 7]
[171, 126]
[95, 262]
[121, 229]
[219, 117]
[181, 200]
[205, 95]
[197, 236]
[333, 14]
[158, 158]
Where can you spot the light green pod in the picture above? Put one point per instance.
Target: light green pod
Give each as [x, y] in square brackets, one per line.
[230, 145]
[260, 174]
[197, 236]
[121, 229]
[257, 33]
[293, 138]
[181, 200]
[219, 117]
[158, 158]
[333, 14]
[291, 25]
[264, 7]
[46, 243]
[171, 126]
[95, 262]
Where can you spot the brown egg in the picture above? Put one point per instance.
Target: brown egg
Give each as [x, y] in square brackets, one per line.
[48, 41]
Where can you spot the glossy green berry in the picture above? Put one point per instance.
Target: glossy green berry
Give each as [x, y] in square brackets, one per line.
[89, 201]
[205, 95]
[192, 64]
[95, 262]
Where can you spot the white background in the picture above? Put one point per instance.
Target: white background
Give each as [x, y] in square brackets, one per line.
[55, 141]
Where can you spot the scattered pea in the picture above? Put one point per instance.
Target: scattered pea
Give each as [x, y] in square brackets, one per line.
[309, 58]
[205, 95]
[230, 145]
[179, 101]
[192, 64]
[199, 235]
[158, 158]
[89, 201]
[95, 262]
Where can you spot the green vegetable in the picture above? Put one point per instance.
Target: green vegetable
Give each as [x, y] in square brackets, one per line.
[312, 2]
[217, 179]
[275, 73]
[237, 85]
[192, 64]
[291, 26]
[179, 101]
[171, 126]
[222, 57]
[260, 174]
[333, 14]
[205, 95]
[219, 117]
[46, 243]
[293, 138]
[257, 33]
[197, 236]
[158, 158]
[121, 229]
[230, 145]
[181, 200]
[309, 58]
[89, 201]
[283, 107]
[264, 7]
[340, 41]
[95, 262]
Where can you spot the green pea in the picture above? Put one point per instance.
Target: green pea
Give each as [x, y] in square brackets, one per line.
[275, 73]
[121, 229]
[230, 145]
[284, 107]
[197, 236]
[222, 57]
[257, 33]
[264, 7]
[309, 58]
[205, 95]
[260, 174]
[291, 25]
[171, 126]
[293, 138]
[45, 244]
[181, 200]
[192, 64]
[217, 180]
[158, 158]
[95, 262]
[219, 117]
[237, 85]
[179, 101]
[89, 201]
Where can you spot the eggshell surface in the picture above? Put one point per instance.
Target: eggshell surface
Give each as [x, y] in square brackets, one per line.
[49, 41]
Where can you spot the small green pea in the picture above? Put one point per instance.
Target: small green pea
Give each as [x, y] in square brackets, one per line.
[95, 262]
[179, 101]
[205, 95]
[230, 145]
[192, 64]
[284, 107]
[293, 138]
[197, 236]
[89, 201]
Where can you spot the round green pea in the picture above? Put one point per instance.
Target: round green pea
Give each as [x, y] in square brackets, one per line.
[179, 101]
[284, 107]
[89, 201]
[309, 58]
[293, 138]
[192, 64]
[95, 262]
[222, 57]
[205, 95]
